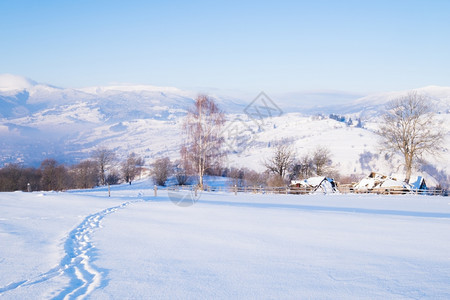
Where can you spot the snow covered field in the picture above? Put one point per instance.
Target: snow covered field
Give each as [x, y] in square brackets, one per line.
[135, 246]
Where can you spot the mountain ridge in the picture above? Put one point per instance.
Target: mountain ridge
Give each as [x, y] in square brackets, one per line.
[39, 121]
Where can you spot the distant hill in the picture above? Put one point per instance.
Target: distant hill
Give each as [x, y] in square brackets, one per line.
[39, 121]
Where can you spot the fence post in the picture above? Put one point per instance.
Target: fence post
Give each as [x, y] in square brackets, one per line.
[28, 187]
[155, 189]
[109, 191]
[235, 190]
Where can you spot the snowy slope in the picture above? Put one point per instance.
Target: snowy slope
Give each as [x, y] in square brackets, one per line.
[353, 150]
[39, 121]
[133, 245]
[371, 105]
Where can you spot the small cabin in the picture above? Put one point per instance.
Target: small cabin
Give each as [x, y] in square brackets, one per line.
[382, 184]
[314, 184]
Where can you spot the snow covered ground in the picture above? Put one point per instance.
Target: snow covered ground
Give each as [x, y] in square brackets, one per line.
[134, 245]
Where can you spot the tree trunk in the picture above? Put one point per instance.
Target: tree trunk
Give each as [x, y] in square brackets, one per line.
[200, 180]
[408, 166]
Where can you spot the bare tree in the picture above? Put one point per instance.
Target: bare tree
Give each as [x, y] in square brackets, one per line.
[161, 170]
[236, 176]
[104, 158]
[253, 178]
[182, 175]
[54, 176]
[409, 128]
[281, 161]
[203, 129]
[30, 176]
[303, 168]
[113, 177]
[131, 167]
[274, 180]
[321, 160]
[85, 174]
[10, 176]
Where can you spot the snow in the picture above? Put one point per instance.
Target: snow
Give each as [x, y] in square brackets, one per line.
[68, 124]
[134, 88]
[316, 182]
[126, 118]
[133, 245]
[390, 183]
[9, 82]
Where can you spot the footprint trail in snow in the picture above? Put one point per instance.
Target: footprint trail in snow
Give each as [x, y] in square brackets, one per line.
[76, 264]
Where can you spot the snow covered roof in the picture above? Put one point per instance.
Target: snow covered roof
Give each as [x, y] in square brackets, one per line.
[392, 183]
[417, 179]
[380, 181]
[312, 181]
[324, 183]
[377, 180]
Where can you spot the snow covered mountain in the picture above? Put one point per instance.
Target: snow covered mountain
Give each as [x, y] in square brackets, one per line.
[39, 121]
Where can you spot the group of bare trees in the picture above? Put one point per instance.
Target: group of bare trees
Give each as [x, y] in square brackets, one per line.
[49, 176]
[109, 169]
[246, 177]
[15, 177]
[100, 169]
[284, 166]
[316, 163]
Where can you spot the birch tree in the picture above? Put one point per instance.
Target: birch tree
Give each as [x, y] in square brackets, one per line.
[203, 127]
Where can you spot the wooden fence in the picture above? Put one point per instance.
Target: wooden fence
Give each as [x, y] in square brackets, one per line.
[343, 189]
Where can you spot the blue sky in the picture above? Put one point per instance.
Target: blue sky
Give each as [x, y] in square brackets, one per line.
[279, 46]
